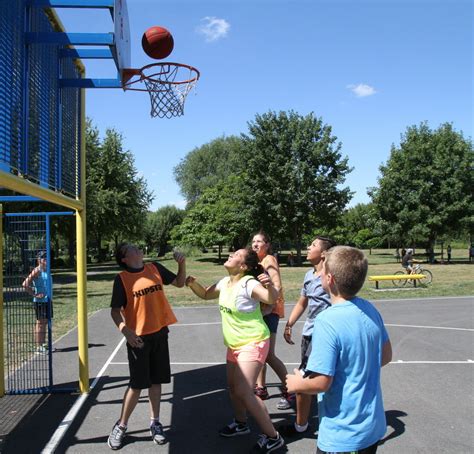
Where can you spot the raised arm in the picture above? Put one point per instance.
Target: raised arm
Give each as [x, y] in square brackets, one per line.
[266, 294]
[27, 283]
[273, 271]
[206, 293]
[181, 275]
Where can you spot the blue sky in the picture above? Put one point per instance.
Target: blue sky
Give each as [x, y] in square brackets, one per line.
[368, 68]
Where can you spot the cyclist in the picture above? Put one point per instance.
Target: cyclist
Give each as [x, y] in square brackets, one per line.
[407, 261]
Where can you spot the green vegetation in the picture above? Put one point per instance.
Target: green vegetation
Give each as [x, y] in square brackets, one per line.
[448, 280]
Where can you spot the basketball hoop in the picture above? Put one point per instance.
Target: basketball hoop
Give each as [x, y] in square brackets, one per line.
[168, 84]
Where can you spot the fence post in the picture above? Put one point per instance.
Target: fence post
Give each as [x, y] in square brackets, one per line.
[2, 352]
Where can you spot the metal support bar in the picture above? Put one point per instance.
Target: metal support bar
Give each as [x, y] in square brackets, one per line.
[86, 53]
[45, 213]
[64, 39]
[14, 183]
[90, 83]
[81, 266]
[2, 353]
[19, 198]
[71, 3]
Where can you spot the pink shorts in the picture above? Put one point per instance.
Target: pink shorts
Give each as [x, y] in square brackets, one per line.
[256, 351]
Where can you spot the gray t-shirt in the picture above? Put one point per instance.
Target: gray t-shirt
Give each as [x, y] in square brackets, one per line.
[318, 299]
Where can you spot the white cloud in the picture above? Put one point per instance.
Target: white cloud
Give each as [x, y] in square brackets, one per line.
[179, 204]
[213, 28]
[362, 90]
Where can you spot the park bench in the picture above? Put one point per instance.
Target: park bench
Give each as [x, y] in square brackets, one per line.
[396, 277]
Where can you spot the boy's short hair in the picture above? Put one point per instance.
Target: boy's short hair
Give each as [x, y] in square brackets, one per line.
[120, 253]
[326, 243]
[348, 266]
[41, 255]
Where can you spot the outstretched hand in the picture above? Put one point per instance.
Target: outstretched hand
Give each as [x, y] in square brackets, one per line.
[190, 280]
[264, 279]
[179, 257]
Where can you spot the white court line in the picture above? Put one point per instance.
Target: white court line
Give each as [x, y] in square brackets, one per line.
[204, 394]
[69, 418]
[303, 321]
[388, 300]
[401, 361]
[398, 361]
[430, 327]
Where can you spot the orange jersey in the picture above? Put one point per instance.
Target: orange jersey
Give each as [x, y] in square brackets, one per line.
[270, 262]
[147, 310]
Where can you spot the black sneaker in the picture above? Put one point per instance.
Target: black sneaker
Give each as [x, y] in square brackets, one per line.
[116, 437]
[268, 444]
[157, 434]
[234, 429]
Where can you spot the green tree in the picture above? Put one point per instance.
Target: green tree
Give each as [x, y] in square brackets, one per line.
[361, 226]
[117, 198]
[426, 187]
[159, 225]
[296, 173]
[205, 166]
[219, 217]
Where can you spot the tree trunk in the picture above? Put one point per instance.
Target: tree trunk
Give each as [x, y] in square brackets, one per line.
[71, 247]
[220, 252]
[298, 250]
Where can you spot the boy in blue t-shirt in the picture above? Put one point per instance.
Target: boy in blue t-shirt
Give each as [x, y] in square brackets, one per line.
[345, 363]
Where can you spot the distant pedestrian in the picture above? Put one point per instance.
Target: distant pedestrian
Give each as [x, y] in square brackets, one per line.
[39, 285]
[471, 253]
[448, 250]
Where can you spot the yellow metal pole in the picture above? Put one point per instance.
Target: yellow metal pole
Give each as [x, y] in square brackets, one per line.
[81, 245]
[2, 371]
[26, 187]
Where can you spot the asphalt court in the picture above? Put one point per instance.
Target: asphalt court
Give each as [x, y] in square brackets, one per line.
[428, 387]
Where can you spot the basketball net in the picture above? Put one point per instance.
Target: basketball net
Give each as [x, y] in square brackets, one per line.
[168, 85]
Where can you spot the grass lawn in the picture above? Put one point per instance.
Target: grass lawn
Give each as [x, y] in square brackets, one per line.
[455, 279]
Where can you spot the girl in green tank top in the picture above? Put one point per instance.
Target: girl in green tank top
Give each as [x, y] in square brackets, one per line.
[246, 336]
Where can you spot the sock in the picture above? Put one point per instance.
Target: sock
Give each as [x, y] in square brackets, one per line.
[123, 426]
[154, 421]
[241, 423]
[301, 428]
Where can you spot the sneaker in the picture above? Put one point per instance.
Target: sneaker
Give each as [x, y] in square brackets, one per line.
[261, 391]
[116, 437]
[267, 444]
[289, 431]
[157, 434]
[286, 401]
[234, 429]
[42, 350]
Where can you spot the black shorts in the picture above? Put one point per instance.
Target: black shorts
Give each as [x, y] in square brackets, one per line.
[272, 321]
[150, 365]
[41, 309]
[306, 343]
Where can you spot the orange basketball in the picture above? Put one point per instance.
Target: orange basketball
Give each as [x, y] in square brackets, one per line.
[157, 42]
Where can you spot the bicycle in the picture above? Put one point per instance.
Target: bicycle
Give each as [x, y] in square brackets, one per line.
[416, 269]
